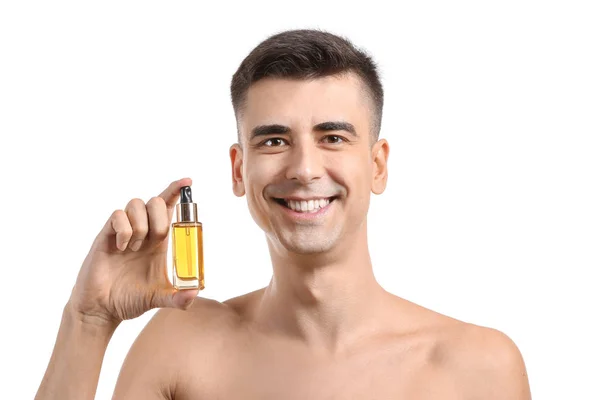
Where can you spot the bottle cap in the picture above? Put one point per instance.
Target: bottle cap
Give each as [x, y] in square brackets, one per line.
[187, 210]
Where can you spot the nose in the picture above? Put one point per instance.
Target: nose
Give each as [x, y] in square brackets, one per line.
[305, 162]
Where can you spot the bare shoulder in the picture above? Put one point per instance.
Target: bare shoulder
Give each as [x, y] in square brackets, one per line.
[482, 362]
[207, 319]
[159, 357]
[203, 317]
[487, 362]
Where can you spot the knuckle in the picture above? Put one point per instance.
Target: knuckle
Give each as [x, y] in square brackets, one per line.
[135, 203]
[125, 230]
[157, 202]
[161, 230]
[137, 217]
[118, 215]
[119, 221]
[157, 217]
[140, 229]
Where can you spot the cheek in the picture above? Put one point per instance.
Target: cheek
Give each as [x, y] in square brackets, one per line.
[255, 173]
[254, 183]
[356, 174]
[258, 174]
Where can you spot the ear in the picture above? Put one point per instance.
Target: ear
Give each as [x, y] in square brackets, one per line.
[379, 154]
[237, 158]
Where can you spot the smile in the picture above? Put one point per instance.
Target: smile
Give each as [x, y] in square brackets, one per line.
[306, 206]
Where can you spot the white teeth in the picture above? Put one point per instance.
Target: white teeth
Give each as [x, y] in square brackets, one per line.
[307, 206]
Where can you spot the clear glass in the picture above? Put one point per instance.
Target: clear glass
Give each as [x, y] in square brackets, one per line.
[188, 257]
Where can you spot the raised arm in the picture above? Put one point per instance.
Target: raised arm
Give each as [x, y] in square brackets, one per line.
[122, 277]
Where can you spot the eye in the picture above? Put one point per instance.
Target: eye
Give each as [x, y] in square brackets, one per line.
[273, 142]
[333, 139]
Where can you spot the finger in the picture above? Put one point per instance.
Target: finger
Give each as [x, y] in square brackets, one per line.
[171, 194]
[158, 222]
[117, 226]
[138, 218]
[182, 299]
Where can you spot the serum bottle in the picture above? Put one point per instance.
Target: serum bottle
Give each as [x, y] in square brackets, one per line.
[188, 257]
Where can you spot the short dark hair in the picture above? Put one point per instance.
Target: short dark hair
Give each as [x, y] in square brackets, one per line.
[307, 54]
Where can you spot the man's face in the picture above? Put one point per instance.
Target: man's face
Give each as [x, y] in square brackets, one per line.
[306, 163]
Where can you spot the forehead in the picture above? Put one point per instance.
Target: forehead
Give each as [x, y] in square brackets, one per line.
[295, 102]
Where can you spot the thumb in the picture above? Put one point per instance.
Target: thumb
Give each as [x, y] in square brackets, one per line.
[184, 299]
[181, 299]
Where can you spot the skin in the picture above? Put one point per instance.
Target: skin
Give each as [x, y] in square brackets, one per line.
[323, 328]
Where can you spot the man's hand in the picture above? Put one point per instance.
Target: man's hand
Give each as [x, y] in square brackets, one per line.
[124, 275]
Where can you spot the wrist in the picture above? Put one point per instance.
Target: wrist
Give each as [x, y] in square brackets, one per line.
[93, 323]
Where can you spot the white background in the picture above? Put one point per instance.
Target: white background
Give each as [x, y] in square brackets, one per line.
[492, 213]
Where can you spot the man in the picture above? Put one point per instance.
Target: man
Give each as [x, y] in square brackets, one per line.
[308, 106]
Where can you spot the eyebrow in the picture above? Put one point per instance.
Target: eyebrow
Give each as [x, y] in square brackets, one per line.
[263, 130]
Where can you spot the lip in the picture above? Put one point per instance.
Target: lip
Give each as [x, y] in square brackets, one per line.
[305, 216]
[308, 198]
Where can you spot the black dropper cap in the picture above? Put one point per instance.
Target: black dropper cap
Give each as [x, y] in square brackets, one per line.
[186, 194]
[187, 210]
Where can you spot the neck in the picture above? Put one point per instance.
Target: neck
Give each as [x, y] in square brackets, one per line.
[325, 300]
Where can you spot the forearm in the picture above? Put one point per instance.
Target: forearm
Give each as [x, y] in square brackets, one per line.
[74, 367]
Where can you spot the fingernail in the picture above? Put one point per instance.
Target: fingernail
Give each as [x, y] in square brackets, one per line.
[136, 245]
[188, 303]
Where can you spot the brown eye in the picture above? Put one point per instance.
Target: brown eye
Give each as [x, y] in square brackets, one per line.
[275, 142]
[333, 139]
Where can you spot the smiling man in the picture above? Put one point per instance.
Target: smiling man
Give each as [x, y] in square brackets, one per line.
[308, 106]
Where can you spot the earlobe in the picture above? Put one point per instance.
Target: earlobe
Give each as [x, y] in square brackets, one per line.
[236, 157]
[381, 152]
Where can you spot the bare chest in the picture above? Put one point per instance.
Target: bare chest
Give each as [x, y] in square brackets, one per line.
[366, 382]
[279, 373]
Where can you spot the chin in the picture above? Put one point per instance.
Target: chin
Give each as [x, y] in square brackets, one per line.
[306, 248]
[307, 244]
